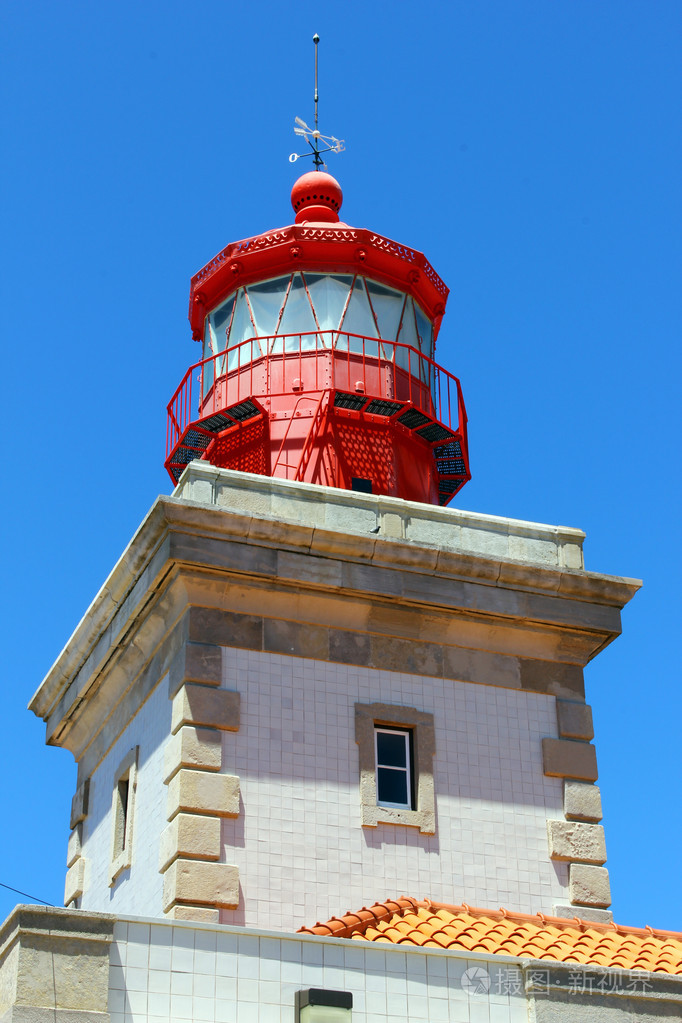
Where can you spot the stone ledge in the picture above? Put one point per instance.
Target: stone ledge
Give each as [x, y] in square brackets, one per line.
[349, 511]
[41, 1014]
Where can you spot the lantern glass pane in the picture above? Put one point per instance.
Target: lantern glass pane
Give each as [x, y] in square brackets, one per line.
[329, 294]
[266, 300]
[297, 317]
[358, 318]
[387, 305]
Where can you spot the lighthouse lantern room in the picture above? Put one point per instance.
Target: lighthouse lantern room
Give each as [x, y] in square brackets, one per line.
[318, 361]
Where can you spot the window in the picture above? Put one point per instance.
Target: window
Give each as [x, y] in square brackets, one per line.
[122, 807]
[393, 755]
[396, 747]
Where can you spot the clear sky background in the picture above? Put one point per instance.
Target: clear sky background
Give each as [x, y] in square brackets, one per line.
[532, 150]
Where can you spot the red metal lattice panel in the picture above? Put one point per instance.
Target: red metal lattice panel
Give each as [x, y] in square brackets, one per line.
[366, 451]
[245, 448]
[397, 464]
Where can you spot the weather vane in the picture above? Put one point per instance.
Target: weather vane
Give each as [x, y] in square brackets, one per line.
[312, 135]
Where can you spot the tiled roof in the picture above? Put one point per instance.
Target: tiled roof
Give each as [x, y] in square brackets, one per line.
[438, 925]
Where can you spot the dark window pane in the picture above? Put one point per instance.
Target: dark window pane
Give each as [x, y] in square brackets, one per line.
[391, 786]
[391, 749]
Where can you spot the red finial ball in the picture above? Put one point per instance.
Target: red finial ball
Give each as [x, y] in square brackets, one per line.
[317, 196]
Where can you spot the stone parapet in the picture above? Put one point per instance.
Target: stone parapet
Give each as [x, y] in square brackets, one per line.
[54, 965]
[350, 511]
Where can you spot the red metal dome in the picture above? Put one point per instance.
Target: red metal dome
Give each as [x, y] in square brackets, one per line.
[318, 361]
[316, 196]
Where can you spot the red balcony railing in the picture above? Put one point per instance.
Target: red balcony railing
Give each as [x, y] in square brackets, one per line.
[318, 361]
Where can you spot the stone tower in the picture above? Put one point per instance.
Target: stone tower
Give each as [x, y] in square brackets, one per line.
[311, 685]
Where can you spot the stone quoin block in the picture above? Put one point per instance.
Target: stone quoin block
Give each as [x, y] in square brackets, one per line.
[589, 885]
[75, 881]
[79, 803]
[216, 627]
[193, 747]
[295, 639]
[582, 802]
[200, 792]
[203, 705]
[551, 677]
[571, 840]
[567, 758]
[574, 720]
[191, 836]
[196, 662]
[74, 848]
[204, 884]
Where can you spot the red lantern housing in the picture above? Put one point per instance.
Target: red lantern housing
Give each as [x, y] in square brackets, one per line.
[318, 344]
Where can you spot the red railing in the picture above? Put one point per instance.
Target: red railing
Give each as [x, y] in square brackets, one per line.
[292, 364]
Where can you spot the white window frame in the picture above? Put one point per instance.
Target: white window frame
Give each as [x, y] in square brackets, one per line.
[406, 735]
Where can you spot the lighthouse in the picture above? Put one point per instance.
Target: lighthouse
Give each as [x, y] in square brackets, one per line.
[318, 361]
[313, 707]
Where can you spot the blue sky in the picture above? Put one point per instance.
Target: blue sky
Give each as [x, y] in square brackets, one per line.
[530, 149]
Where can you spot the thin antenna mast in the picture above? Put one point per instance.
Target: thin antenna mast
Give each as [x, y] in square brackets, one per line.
[316, 158]
[314, 135]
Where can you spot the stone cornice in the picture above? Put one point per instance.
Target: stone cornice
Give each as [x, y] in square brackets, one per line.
[179, 535]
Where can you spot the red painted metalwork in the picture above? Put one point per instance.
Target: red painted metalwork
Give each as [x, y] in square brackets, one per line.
[314, 244]
[325, 406]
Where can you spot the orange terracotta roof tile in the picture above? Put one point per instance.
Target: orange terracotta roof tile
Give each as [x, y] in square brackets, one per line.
[430, 924]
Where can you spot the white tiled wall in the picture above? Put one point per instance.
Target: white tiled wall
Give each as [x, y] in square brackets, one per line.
[301, 852]
[299, 846]
[137, 890]
[161, 973]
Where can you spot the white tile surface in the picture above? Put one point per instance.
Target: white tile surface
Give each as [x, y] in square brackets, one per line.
[300, 849]
[255, 978]
[299, 846]
[138, 889]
